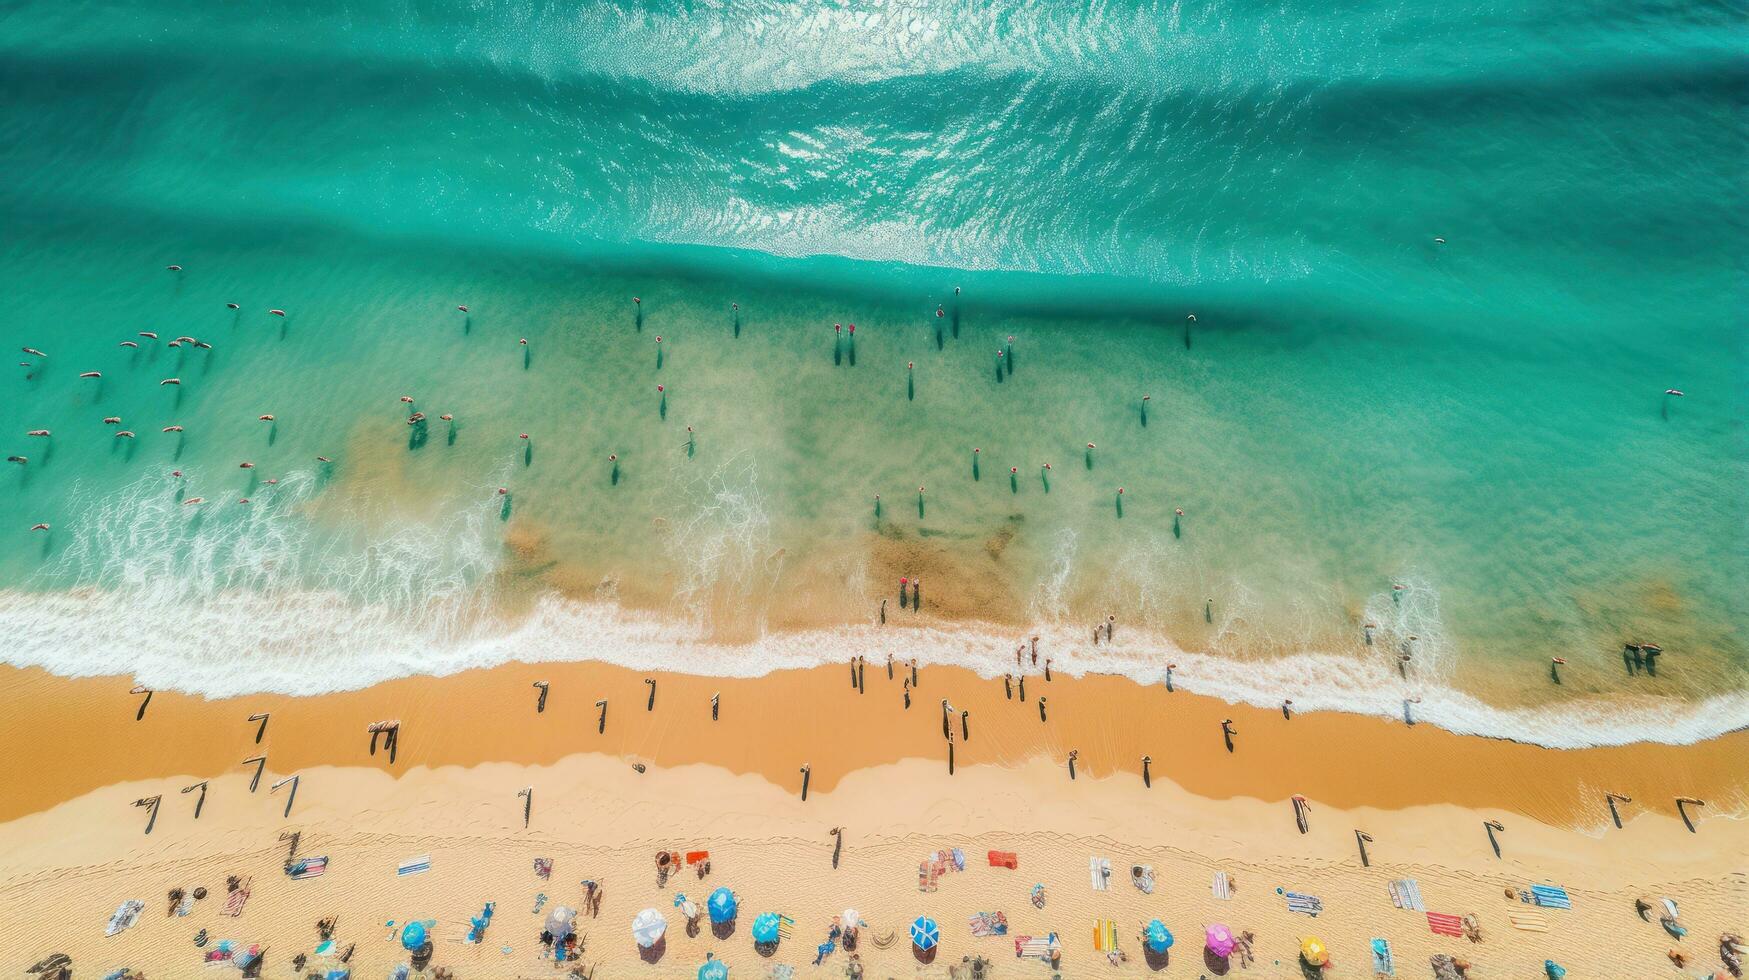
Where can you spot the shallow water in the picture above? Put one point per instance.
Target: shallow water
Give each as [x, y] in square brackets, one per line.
[1356, 406]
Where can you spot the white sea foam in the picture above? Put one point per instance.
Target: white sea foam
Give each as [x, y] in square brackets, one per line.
[229, 599]
[309, 641]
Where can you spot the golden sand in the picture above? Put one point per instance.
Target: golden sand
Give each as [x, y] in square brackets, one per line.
[73, 846]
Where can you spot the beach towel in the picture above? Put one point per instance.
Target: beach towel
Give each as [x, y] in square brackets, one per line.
[1529, 921]
[1222, 886]
[1304, 904]
[959, 859]
[186, 905]
[413, 866]
[1005, 859]
[1550, 897]
[307, 867]
[543, 868]
[1381, 959]
[988, 924]
[1444, 925]
[1105, 935]
[927, 874]
[126, 914]
[697, 857]
[786, 927]
[1406, 894]
[1142, 876]
[1039, 947]
[239, 896]
[1099, 873]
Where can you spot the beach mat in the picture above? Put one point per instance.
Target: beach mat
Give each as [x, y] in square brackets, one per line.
[1550, 897]
[1304, 904]
[988, 924]
[1105, 935]
[1406, 894]
[1382, 964]
[307, 867]
[1529, 921]
[126, 914]
[413, 866]
[1099, 873]
[1222, 886]
[1444, 925]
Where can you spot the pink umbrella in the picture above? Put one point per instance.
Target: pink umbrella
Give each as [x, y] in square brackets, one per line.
[1220, 940]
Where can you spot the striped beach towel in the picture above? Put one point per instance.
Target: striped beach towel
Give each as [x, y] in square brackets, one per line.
[1304, 904]
[413, 866]
[238, 897]
[1099, 873]
[1406, 894]
[1529, 921]
[1035, 946]
[1105, 935]
[1550, 897]
[309, 867]
[786, 927]
[1444, 925]
[1222, 886]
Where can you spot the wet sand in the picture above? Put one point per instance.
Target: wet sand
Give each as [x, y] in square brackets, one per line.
[71, 736]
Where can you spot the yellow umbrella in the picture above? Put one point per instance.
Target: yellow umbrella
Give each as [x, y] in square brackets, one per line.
[1312, 949]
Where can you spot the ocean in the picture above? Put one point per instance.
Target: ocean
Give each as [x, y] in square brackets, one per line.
[1443, 266]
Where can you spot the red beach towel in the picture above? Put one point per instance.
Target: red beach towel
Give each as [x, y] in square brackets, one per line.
[1005, 859]
[1444, 925]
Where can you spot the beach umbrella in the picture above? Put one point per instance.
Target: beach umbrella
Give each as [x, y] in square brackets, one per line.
[1158, 937]
[851, 919]
[1220, 939]
[722, 905]
[925, 933]
[713, 970]
[1312, 951]
[765, 928]
[648, 927]
[560, 920]
[1555, 970]
[413, 936]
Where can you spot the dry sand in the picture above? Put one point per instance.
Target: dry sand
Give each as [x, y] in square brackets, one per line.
[71, 848]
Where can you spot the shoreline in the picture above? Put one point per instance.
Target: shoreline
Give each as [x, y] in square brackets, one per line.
[85, 632]
[73, 736]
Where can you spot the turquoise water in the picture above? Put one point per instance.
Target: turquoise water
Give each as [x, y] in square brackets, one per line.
[1357, 405]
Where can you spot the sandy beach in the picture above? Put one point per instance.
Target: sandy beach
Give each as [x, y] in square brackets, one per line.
[74, 847]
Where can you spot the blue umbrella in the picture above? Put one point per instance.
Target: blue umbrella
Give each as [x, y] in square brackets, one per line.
[765, 928]
[713, 970]
[721, 905]
[925, 933]
[413, 936]
[1158, 937]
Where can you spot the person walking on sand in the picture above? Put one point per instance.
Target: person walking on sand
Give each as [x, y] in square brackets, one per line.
[1227, 732]
[889, 666]
[1008, 687]
[907, 690]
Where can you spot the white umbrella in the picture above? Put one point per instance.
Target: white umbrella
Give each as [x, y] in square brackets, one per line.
[648, 927]
[850, 919]
[559, 921]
